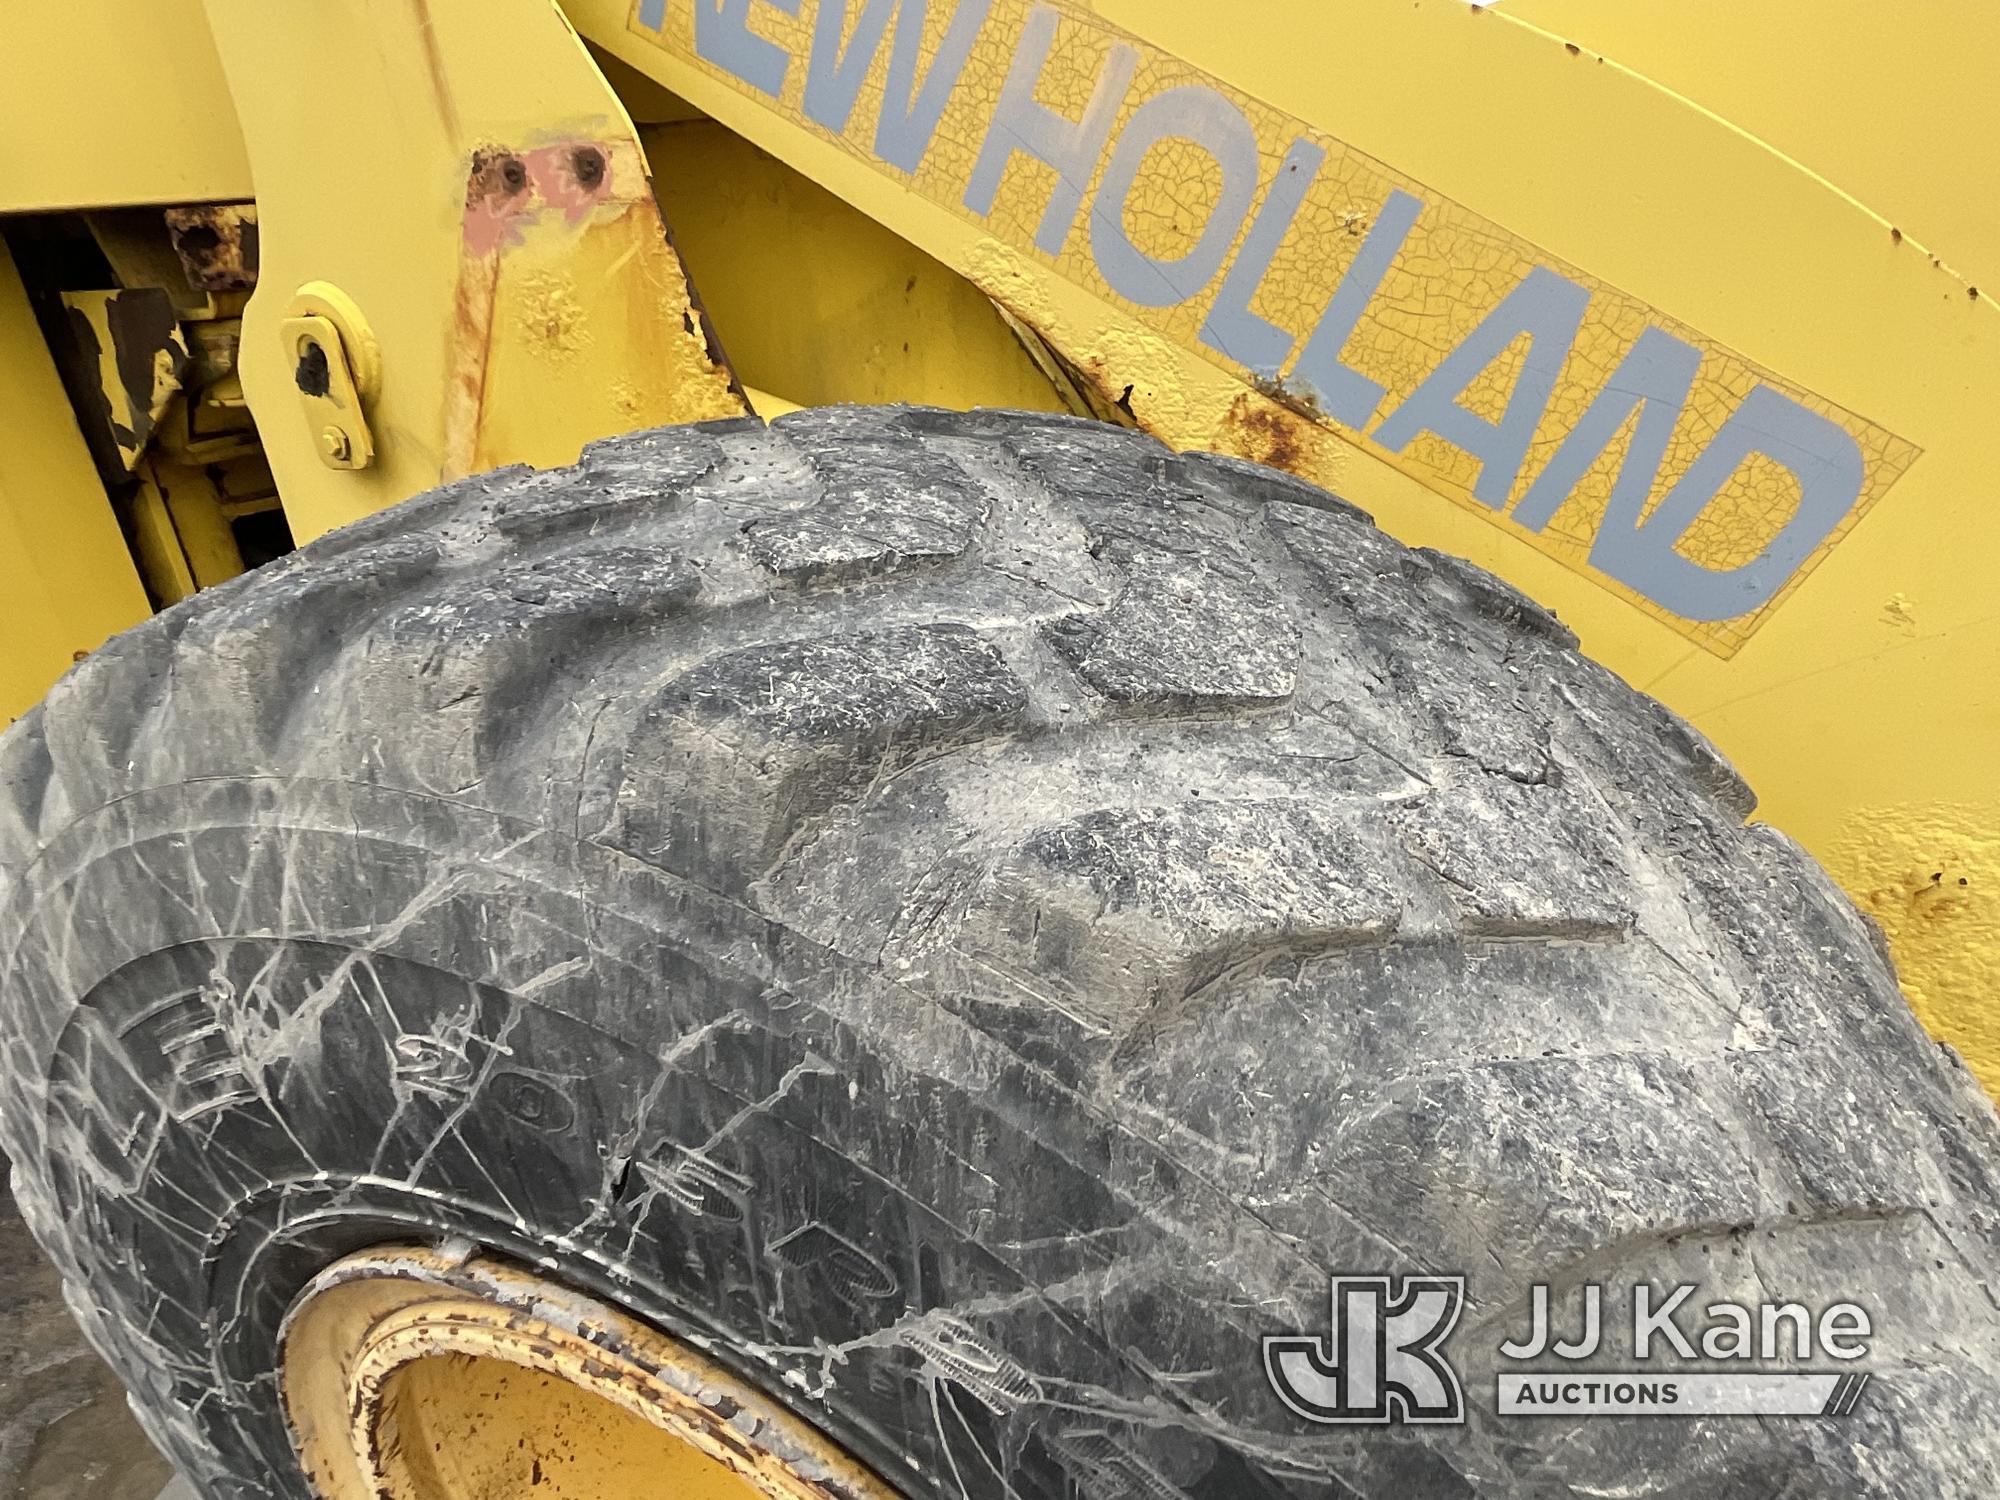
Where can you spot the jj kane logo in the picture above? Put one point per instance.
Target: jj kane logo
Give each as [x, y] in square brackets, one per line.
[1385, 1359]
[1384, 1362]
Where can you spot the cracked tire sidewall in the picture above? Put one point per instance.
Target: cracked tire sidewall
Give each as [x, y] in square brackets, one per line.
[970, 919]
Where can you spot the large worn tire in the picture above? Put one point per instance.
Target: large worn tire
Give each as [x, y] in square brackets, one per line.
[974, 918]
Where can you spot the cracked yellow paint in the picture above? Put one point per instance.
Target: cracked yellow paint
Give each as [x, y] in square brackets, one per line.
[551, 320]
[1451, 272]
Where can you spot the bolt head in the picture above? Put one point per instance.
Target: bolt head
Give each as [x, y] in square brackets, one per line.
[335, 445]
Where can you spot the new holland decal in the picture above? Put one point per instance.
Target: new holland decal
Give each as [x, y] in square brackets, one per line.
[1619, 441]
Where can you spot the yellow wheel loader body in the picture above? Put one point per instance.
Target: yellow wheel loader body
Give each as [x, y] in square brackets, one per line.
[1670, 316]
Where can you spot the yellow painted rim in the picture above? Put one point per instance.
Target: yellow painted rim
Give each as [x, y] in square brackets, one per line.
[418, 1374]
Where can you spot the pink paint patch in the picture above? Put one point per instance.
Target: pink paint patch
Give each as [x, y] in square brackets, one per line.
[572, 178]
[505, 191]
[499, 199]
[490, 227]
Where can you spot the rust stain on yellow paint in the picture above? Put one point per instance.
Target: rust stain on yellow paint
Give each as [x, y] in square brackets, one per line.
[1133, 370]
[565, 262]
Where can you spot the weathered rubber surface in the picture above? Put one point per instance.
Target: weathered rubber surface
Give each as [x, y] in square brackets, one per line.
[975, 917]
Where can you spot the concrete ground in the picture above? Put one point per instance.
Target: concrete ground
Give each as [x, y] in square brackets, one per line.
[65, 1432]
